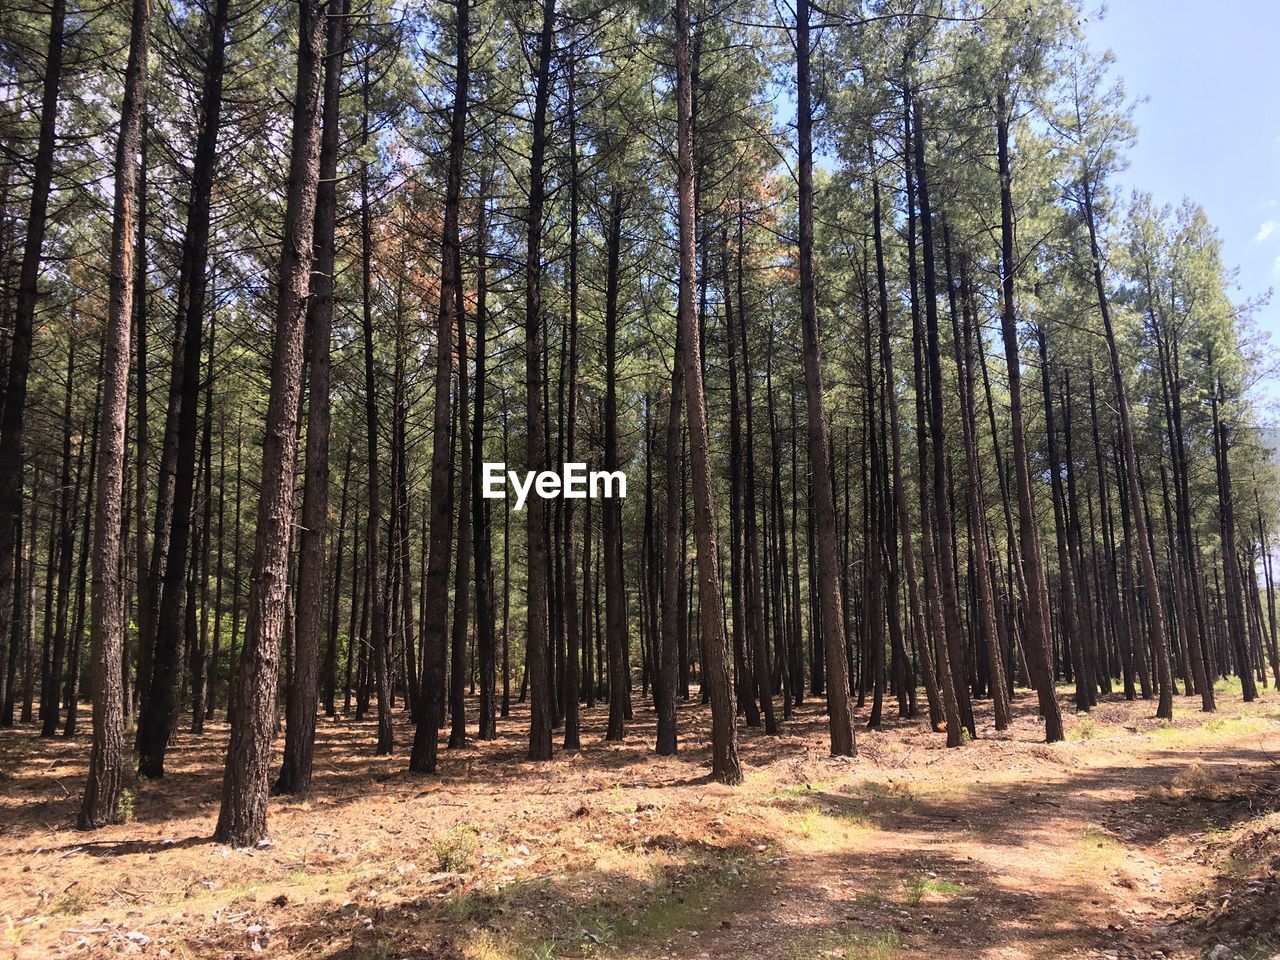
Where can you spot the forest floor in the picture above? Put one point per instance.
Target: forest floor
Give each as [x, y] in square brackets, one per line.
[1134, 838]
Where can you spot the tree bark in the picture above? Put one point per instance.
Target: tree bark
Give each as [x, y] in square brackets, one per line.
[536, 655]
[829, 602]
[242, 820]
[101, 803]
[725, 766]
[300, 722]
[1036, 637]
[159, 706]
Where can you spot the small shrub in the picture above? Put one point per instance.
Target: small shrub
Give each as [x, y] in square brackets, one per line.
[124, 807]
[1086, 729]
[456, 849]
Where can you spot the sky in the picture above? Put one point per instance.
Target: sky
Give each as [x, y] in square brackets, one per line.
[1209, 128]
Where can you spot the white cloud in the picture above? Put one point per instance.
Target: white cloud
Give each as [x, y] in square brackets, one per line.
[1266, 231]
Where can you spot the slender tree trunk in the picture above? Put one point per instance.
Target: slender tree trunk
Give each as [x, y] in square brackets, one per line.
[572, 734]
[616, 636]
[536, 663]
[1146, 558]
[13, 409]
[754, 575]
[212, 699]
[300, 723]
[673, 559]
[1237, 627]
[374, 595]
[918, 620]
[715, 674]
[482, 526]
[458, 646]
[51, 681]
[159, 707]
[945, 551]
[200, 562]
[71, 696]
[1036, 637]
[829, 602]
[436, 583]
[329, 679]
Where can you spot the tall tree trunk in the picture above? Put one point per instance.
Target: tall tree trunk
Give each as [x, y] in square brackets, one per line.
[572, 733]
[673, 559]
[536, 664]
[616, 635]
[329, 678]
[51, 681]
[829, 602]
[242, 820]
[481, 522]
[71, 695]
[715, 673]
[1146, 558]
[159, 708]
[935, 635]
[754, 575]
[374, 596]
[1036, 637]
[458, 645]
[947, 564]
[13, 408]
[300, 722]
[1237, 628]
[101, 803]
[918, 621]
[436, 583]
[200, 561]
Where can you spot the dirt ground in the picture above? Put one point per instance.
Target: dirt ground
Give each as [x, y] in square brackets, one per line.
[1134, 838]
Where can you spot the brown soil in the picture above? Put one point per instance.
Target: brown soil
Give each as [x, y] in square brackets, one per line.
[1132, 839]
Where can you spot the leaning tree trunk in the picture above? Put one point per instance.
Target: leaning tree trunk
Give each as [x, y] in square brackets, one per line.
[1037, 611]
[715, 669]
[1146, 558]
[101, 804]
[242, 820]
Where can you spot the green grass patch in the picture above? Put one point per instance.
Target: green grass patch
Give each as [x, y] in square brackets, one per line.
[690, 894]
[921, 885]
[850, 944]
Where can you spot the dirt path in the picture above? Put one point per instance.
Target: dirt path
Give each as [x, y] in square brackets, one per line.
[1095, 864]
[1122, 842]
